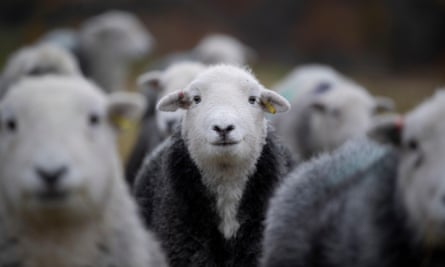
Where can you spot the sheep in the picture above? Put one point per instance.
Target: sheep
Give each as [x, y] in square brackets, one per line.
[389, 212]
[175, 77]
[222, 48]
[65, 38]
[213, 48]
[35, 60]
[328, 109]
[205, 189]
[63, 200]
[108, 43]
[156, 127]
[302, 79]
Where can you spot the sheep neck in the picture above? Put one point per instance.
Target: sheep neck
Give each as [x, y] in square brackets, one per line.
[227, 185]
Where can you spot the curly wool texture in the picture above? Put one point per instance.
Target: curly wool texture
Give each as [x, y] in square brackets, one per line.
[179, 208]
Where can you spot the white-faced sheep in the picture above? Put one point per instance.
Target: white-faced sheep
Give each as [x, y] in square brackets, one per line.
[37, 60]
[64, 201]
[156, 127]
[205, 190]
[328, 109]
[390, 213]
[108, 43]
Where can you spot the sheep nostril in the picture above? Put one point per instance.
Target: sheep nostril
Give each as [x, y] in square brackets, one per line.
[223, 131]
[217, 129]
[51, 176]
[230, 128]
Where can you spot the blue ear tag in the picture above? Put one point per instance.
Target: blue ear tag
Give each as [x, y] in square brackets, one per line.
[322, 87]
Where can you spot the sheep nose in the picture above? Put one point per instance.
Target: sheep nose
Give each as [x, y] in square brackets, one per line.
[223, 131]
[51, 176]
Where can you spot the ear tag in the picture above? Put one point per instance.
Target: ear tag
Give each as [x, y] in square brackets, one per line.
[269, 107]
[121, 122]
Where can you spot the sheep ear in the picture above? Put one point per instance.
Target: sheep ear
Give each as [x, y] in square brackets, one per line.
[273, 102]
[173, 101]
[387, 129]
[383, 104]
[150, 80]
[125, 109]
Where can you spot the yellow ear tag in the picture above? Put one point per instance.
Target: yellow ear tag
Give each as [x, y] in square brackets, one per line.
[121, 122]
[269, 107]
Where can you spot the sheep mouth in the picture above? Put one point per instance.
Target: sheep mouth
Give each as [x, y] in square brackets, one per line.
[225, 143]
[52, 195]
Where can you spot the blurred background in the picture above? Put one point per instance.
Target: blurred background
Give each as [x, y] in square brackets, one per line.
[393, 47]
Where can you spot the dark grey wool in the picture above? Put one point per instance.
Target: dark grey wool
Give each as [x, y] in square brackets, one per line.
[181, 211]
[339, 210]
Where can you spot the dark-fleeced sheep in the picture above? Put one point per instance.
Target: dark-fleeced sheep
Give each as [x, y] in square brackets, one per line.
[205, 190]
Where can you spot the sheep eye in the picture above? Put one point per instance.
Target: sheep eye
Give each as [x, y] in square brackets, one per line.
[11, 125]
[252, 100]
[94, 119]
[196, 99]
[412, 144]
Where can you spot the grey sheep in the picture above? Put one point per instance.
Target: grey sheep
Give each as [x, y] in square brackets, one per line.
[388, 212]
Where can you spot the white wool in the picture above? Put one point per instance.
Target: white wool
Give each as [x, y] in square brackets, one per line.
[109, 42]
[48, 123]
[225, 164]
[37, 60]
[222, 48]
[421, 170]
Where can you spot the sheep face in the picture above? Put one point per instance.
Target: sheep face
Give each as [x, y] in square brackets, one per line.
[115, 34]
[421, 169]
[224, 123]
[337, 116]
[57, 148]
[176, 77]
[420, 141]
